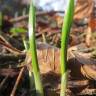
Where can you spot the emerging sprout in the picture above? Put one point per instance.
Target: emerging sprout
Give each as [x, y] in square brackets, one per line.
[32, 50]
[64, 41]
[20, 31]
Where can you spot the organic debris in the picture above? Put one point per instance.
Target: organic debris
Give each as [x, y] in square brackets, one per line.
[15, 61]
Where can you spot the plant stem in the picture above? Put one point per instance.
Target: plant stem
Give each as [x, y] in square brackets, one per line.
[25, 43]
[64, 40]
[44, 38]
[0, 20]
[35, 67]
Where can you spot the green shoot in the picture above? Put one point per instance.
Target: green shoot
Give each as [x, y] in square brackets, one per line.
[64, 40]
[32, 44]
[20, 31]
[15, 31]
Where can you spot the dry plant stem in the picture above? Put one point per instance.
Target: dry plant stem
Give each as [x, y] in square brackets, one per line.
[10, 48]
[17, 19]
[53, 59]
[33, 52]
[17, 82]
[88, 37]
[90, 92]
[52, 31]
[44, 38]
[3, 81]
[4, 40]
[46, 54]
[51, 63]
[0, 20]
[25, 43]
[9, 57]
[64, 40]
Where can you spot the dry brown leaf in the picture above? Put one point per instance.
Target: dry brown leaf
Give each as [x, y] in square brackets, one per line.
[83, 9]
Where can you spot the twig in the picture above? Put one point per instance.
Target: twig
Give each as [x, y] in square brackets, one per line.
[88, 92]
[10, 48]
[17, 82]
[10, 57]
[88, 37]
[4, 40]
[3, 81]
[50, 32]
[38, 14]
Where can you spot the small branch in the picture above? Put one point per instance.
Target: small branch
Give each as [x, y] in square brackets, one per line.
[38, 14]
[17, 82]
[3, 81]
[10, 48]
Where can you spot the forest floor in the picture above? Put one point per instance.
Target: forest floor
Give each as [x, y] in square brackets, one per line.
[15, 61]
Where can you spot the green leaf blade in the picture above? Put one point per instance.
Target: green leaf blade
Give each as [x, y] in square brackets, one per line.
[33, 52]
[64, 42]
